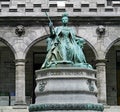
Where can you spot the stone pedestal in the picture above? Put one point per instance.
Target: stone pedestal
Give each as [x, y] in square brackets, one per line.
[66, 89]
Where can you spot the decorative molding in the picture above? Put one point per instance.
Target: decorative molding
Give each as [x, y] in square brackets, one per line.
[100, 30]
[51, 6]
[101, 61]
[90, 85]
[42, 84]
[20, 30]
[44, 107]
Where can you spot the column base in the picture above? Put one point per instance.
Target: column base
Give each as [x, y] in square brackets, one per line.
[102, 102]
[20, 105]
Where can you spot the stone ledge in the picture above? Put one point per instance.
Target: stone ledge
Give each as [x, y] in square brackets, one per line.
[108, 108]
[56, 69]
[40, 107]
[77, 18]
[11, 109]
[19, 107]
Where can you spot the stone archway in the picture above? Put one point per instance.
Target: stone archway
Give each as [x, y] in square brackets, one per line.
[112, 73]
[34, 59]
[7, 73]
[90, 53]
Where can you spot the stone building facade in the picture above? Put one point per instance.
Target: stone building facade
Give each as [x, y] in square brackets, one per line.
[24, 29]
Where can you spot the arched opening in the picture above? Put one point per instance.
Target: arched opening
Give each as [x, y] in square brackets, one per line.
[90, 55]
[35, 58]
[7, 74]
[113, 74]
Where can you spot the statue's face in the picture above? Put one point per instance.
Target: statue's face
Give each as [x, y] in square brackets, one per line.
[65, 20]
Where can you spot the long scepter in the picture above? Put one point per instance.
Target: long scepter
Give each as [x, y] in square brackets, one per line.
[49, 19]
[57, 39]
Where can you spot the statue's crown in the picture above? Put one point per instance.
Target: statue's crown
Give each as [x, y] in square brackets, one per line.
[65, 15]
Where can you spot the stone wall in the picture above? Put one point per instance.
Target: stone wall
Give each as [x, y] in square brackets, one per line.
[38, 7]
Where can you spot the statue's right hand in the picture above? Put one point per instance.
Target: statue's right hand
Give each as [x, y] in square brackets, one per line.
[50, 24]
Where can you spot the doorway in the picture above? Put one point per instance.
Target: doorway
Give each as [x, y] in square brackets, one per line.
[7, 75]
[38, 59]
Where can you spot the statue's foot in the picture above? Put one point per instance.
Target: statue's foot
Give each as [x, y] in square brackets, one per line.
[83, 65]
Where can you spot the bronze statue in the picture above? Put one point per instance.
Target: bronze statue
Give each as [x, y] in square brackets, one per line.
[64, 47]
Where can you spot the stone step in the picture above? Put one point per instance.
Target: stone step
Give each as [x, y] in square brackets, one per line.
[25, 109]
[12, 109]
[112, 109]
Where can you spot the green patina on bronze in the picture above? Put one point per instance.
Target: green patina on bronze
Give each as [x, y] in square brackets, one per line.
[64, 47]
[44, 107]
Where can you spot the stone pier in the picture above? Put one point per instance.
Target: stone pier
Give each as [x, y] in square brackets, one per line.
[20, 82]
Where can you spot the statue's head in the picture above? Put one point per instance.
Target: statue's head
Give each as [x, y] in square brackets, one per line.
[65, 18]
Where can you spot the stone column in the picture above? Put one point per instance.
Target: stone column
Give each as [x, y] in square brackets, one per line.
[101, 80]
[20, 82]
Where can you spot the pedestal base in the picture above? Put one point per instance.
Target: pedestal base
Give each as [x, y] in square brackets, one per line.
[66, 107]
[66, 89]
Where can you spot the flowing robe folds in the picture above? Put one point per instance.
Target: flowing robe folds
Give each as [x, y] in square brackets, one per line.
[64, 46]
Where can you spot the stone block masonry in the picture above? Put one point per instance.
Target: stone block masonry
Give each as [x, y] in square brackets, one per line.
[37, 8]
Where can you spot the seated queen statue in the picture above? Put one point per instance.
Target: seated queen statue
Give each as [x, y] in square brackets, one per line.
[63, 47]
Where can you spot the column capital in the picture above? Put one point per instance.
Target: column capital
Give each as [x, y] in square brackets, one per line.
[101, 61]
[20, 60]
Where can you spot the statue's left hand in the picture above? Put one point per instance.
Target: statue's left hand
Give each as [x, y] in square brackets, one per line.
[50, 24]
